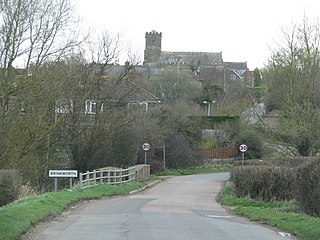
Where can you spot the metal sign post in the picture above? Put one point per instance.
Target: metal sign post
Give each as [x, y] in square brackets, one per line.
[146, 147]
[145, 158]
[242, 161]
[243, 148]
[164, 156]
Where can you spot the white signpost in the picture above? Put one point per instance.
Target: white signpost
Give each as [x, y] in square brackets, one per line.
[243, 148]
[146, 147]
[62, 174]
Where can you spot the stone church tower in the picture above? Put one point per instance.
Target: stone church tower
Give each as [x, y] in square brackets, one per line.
[152, 50]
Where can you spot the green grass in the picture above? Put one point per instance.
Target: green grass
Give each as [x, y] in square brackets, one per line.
[154, 177]
[189, 171]
[18, 217]
[282, 215]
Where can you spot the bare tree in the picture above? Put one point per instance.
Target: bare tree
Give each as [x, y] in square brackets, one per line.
[49, 33]
[293, 76]
[32, 31]
[295, 66]
[35, 30]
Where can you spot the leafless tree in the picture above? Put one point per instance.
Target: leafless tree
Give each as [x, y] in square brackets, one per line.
[35, 31]
[295, 65]
[32, 32]
[293, 77]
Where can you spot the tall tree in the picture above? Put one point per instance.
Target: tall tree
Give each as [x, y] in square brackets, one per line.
[257, 77]
[293, 76]
[31, 32]
[295, 66]
[174, 85]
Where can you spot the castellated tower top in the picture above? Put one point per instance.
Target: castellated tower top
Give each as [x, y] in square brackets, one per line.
[153, 40]
[153, 32]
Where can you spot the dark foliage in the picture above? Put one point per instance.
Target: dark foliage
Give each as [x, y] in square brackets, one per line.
[308, 187]
[263, 182]
[9, 186]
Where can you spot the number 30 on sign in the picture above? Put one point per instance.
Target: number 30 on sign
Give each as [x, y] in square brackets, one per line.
[146, 146]
[243, 148]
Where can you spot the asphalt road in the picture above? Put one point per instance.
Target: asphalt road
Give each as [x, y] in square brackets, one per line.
[180, 208]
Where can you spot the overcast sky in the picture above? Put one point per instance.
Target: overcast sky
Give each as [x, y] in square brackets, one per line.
[242, 30]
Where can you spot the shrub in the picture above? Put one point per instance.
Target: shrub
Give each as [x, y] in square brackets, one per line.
[263, 182]
[290, 161]
[156, 166]
[9, 186]
[308, 187]
[208, 144]
[180, 152]
[254, 142]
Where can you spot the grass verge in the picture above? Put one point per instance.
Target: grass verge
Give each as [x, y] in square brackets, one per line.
[190, 171]
[282, 215]
[18, 217]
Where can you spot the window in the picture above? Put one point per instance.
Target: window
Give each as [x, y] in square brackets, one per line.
[233, 77]
[63, 107]
[90, 107]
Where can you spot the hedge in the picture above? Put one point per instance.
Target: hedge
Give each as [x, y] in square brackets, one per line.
[281, 179]
[263, 182]
[308, 187]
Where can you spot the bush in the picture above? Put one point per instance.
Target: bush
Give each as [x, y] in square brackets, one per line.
[292, 162]
[156, 166]
[180, 152]
[208, 144]
[254, 142]
[9, 186]
[308, 187]
[263, 182]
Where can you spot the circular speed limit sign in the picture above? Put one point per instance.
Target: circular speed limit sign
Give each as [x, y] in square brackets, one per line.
[146, 146]
[243, 148]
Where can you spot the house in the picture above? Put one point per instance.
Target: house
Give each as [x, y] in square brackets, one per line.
[115, 88]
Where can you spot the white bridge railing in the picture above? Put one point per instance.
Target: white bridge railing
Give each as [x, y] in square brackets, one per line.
[107, 176]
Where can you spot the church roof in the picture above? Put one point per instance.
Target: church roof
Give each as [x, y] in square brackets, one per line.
[203, 58]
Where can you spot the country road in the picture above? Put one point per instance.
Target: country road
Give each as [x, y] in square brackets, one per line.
[179, 208]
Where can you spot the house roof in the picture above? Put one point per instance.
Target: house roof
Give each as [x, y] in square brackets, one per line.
[126, 91]
[239, 72]
[236, 65]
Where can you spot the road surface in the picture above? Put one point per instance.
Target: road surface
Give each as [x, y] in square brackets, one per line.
[180, 208]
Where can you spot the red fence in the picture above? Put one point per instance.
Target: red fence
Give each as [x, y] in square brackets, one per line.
[219, 153]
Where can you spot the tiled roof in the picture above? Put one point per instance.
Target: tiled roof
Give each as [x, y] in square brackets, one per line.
[236, 65]
[126, 91]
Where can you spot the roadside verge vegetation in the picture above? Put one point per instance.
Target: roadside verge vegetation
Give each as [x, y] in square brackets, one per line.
[282, 193]
[284, 215]
[20, 216]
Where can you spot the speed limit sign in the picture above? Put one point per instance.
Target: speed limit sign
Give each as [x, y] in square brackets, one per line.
[146, 146]
[243, 148]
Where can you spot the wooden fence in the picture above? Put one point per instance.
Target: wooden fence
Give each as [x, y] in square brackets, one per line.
[219, 153]
[108, 176]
